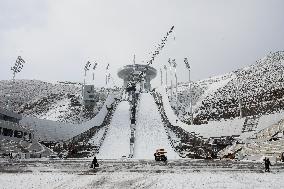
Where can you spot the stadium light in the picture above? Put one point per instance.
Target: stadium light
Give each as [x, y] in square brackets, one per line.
[161, 72]
[94, 68]
[166, 70]
[107, 74]
[17, 68]
[171, 74]
[86, 68]
[175, 67]
[190, 92]
[188, 67]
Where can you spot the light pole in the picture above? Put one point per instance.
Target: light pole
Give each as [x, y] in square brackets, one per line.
[190, 93]
[175, 67]
[171, 74]
[86, 68]
[188, 67]
[161, 72]
[166, 70]
[238, 92]
[107, 74]
[17, 68]
[94, 68]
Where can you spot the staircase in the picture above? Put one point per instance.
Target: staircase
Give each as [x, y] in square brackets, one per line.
[133, 116]
[269, 132]
[264, 148]
[250, 124]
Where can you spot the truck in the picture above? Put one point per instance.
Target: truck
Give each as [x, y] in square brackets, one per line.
[160, 155]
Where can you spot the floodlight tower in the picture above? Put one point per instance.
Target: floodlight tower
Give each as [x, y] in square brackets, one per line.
[94, 68]
[175, 67]
[161, 72]
[171, 73]
[166, 70]
[86, 68]
[190, 92]
[107, 74]
[17, 68]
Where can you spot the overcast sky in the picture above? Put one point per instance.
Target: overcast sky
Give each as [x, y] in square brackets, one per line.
[58, 37]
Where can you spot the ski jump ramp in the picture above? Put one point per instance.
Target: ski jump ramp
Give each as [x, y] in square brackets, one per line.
[150, 131]
[116, 144]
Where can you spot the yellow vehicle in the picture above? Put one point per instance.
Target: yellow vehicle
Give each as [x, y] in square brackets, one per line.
[160, 155]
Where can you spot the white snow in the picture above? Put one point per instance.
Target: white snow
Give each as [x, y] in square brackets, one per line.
[270, 119]
[218, 128]
[117, 141]
[203, 180]
[150, 132]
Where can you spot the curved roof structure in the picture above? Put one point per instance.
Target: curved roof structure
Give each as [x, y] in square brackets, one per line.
[125, 71]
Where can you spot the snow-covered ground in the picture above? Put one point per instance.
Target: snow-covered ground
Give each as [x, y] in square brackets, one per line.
[126, 174]
[116, 143]
[140, 180]
[150, 132]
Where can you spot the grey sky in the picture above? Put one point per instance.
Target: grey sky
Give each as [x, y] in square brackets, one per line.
[57, 37]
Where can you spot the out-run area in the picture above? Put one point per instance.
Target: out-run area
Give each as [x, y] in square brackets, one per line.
[178, 174]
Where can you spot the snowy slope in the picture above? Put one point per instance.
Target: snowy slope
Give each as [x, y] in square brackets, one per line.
[51, 101]
[213, 87]
[261, 89]
[116, 143]
[219, 128]
[150, 132]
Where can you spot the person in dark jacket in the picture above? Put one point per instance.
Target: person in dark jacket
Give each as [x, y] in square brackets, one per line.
[267, 164]
[94, 163]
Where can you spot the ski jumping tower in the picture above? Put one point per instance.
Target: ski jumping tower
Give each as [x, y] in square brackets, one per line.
[131, 73]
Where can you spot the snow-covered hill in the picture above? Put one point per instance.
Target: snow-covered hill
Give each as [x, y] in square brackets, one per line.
[261, 89]
[56, 102]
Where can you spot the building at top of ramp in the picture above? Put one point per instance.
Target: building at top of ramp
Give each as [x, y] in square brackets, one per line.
[134, 74]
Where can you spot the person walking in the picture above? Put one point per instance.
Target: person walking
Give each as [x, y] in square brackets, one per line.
[94, 163]
[267, 164]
